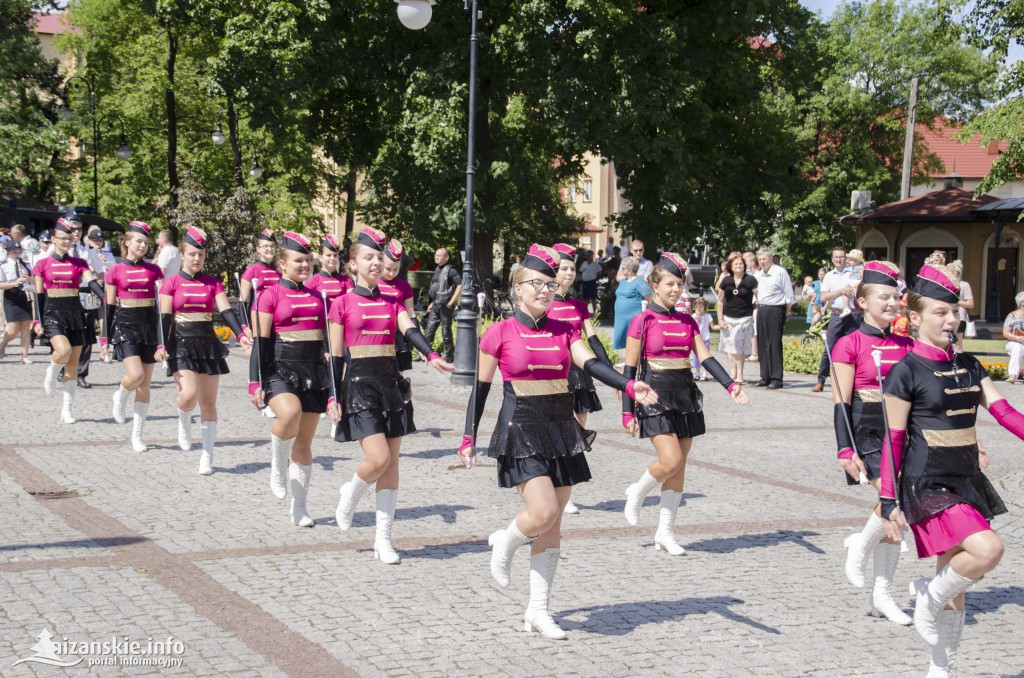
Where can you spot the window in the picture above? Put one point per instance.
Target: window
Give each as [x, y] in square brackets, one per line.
[571, 194]
[588, 190]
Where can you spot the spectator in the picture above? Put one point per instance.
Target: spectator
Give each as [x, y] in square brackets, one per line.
[636, 250]
[809, 293]
[445, 287]
[774, 304]
[16, 283]
[29, 245]
[168, 257]
[703, 320]
[589, 271]
[736, 294]
[837, 289]
[612, 263]
[821, 276]
[630, 295]
[601, 258]
[1013, 332]
[966, 301]
[750, 259]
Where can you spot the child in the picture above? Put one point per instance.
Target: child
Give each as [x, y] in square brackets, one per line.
[703, 319]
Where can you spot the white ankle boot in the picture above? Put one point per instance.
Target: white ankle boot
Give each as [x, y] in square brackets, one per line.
[120, 404]
[504, 543]
[932, 596]
[950, 628]
[280, 452]
[542, 579]
[139, 414]
[382, 547]
[571, 508]
[860, 545]
[298, 483]
[209, 434]
[50, 380]
[887, 557]
[184, 430]
[351, 493]
[635, 495]
[70, 388]
[665, 538]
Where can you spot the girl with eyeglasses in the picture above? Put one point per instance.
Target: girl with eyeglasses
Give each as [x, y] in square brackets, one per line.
[538, 443]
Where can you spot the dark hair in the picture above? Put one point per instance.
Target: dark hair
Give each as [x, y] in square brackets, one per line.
[168, 235]
[728, 263]
[700, 302]
[838, 248]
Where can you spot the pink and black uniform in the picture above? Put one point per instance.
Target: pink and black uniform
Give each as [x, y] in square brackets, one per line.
[132, 322]
[865, 410]
[334, 284]
[400, 291]
[291, 359]
[188, 329]
[61, 276]
[260, 275]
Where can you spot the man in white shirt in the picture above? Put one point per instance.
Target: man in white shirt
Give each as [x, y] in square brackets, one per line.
[589, 270]
[168, 258]
[837, 292]
[774, 301]
[636, 250]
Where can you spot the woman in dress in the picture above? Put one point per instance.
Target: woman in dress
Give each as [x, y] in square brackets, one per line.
[64, 319]
[858, 411]
[630, 294]
[1013, 332]
[538, 443]
[661, 343]
[16, 283]
[934, 484]
[288, 372]
[377, 408]
[131, 325]
[737, 294]
[195, 355]
[394, 287]
[966, 303]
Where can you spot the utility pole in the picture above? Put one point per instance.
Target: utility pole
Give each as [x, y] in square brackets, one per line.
[908, 143]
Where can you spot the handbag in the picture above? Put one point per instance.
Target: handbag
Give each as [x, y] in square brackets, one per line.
[971, 330]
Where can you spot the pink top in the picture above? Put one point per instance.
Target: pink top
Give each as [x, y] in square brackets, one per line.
[932, 352]
[855, 349]
[335, 284]
[134, 280]
[667, 334]
[530, 353]
[60, 274]
[266, 274]
[192, 295]
[396, 288]
[569, 310]
[366, 316]
[294, 307]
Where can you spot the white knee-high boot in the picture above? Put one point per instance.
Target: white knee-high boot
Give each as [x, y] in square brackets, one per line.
[887, 557]
[665, 538]
[635, 495]
[121, 396]
[208, 431]
[50, 380]
[950, 627]
[351, 493]
[383, 550]
[280, 452]
[70, 388]
[184, 430]
[139, 413]
[542, 579]
[504, 544]
[860, 545]
[298, 482]
[932, 596]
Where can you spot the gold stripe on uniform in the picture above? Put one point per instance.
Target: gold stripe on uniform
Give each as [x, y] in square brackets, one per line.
[193, 317]
[135, 303]
[62, 293]
[960, 437]
[953, 413]
[869, 395]
[540, 387]
[372, 351]
[669, 363]
[301, 335]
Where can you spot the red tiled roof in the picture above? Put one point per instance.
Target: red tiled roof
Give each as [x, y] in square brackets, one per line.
[948, 204]
[52, 24]
[971, 160]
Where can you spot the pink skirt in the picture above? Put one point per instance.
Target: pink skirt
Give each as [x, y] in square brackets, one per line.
[946, 529]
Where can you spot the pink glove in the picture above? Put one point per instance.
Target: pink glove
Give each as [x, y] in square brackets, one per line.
[630, 389]
[330, 401]
[253, 387]
[845, 453]
[731, 387]
[899, 439]
[627, 419]
[434, 355]
[1008, 418]
[103, 342]
[467, 442]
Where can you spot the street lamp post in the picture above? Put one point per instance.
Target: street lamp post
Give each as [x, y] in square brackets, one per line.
[415, 14]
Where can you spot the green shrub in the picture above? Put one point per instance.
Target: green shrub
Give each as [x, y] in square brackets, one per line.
[802, 359]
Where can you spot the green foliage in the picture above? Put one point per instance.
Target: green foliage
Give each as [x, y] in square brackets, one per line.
[802, 359]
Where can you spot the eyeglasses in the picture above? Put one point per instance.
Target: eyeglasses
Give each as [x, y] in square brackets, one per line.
[537, 284]
[638, 250]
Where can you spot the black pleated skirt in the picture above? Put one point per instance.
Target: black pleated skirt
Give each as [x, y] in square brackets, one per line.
[193, 346]
[581, 388]
[64, 316]
[680, 407]
[951, 476]
[377, 399]
[135, 333]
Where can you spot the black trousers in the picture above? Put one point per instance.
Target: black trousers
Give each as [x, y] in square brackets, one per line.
[837, 327]
[441, 315]
[771, 321]
[92, 317]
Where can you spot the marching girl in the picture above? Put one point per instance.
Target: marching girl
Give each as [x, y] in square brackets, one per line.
[261, 275]
[377, 407]
[194, 354]
[330, 279]
[538, 443]
[931, 399]
[394, 287]
[64, 321]
[661, 340]
[131, 323]
[575, 312]
[288, 372]
[858, 409]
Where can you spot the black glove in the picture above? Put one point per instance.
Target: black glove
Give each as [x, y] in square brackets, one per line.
[716, 370]
[260, 360]
[888, 506]
[108, 320]
[338, 372]
[628, 372]
[418, 341]
[842, 415]
[606, 374]
[598, 348]
[166, 322]
[474, 414]
[231, 318]
[97, 289]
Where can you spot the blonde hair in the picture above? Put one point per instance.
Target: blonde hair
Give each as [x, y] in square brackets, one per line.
[956, 269]
[124, 243]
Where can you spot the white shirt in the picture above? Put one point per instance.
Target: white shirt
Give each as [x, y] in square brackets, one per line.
[589, 270]
[774, 287]
[646, 268]
[8, 273]
[965, 295]
[169, 260]
[834, 281]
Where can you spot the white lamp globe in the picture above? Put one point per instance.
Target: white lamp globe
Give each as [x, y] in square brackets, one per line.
[414, 14]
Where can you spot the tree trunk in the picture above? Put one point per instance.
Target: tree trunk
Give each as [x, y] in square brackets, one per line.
[486, 196]
[174, 184]
[350, 203]
[236, 149]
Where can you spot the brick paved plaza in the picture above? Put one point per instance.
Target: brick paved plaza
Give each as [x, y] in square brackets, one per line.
[98, 542]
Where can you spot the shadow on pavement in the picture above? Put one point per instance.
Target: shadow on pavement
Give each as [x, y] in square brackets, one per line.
[434, 432]
[447, 551]
[431, 454]
[990, 600]
[618, 505]
[623, 618]
[447, 512]
[323, 463]
[755, 541]
[101, 542]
